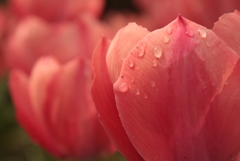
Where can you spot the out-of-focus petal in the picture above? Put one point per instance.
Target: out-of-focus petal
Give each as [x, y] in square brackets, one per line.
[227, 28]
[103, 96]
[26, 115]
[121, 46]
[42, 73]
[71, 112]
[34, 38]
[56, 10]
[164, 11]
[164, 99]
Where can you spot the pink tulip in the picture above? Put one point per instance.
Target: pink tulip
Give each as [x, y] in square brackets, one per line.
[171, 94]
[55, 10]
[34, 38]
[55, 107]
[204, 12]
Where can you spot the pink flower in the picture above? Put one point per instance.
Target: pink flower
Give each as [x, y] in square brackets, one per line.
[55, 10]
[204, 12]
[171, 94]
[34, 38]
[55, 107]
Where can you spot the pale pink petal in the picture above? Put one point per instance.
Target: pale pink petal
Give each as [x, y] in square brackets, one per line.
[227, 28]
[26, 116]
[164, 99]
[103, 96]
[120, 47]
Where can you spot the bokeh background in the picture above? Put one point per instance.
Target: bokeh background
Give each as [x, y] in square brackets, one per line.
[15, 144]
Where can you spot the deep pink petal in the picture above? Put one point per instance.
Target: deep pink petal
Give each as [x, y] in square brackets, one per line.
[26, 116]
[121, 46]
[227, 28]
[71, 113]
[103, 96]
[164, 99]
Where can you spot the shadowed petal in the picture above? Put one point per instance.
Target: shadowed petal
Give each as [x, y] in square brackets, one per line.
[103, 96]
[26, 115]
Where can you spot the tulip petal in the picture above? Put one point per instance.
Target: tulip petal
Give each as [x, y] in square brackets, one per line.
[164, 99]
[71, 112]
[26, 116]
[42, 73]
[106, 105]
[221, 124]
[227, 28]
[120, 47]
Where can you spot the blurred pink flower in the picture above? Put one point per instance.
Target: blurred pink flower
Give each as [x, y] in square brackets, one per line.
[171, 94]
[204, 12]
[33, 38]
[55, 10]
[53, 104]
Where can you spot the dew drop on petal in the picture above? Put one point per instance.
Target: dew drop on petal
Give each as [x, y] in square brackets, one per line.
[141, 51]
[153, 84]
[137, 92]
[123, 87]
[189, 33]
[209, 43]
[154, 63]
[145, 96]
[132, 80]
[169, 30]
[166, 39]
[157, 52]
[131, 63]
[202, 33]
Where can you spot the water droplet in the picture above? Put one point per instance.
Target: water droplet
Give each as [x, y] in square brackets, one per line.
[141, 51]
[157, 52]
[132, 80]
[189, 33]
[145, 96]
[137, 92]
[166, 39]
[153, 84]
[209, 43]
[202, 33]
[154, 63]
[169, 30]
[131, 63]
[123, 87]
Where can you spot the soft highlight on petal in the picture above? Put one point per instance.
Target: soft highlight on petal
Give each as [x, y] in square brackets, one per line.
[227, 28]
[120, 47]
